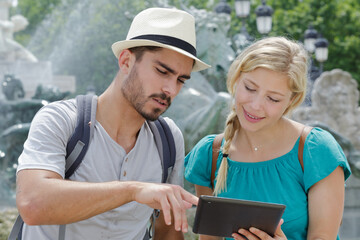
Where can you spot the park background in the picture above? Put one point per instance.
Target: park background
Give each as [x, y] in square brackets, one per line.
[76, 35]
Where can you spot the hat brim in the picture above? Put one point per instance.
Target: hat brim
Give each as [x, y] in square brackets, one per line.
[117, 47]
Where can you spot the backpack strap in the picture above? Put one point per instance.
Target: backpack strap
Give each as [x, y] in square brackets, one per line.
[16, 231]
[165, 143]
[304, 133]
[79, 142]
[215, 154]
[84, 130]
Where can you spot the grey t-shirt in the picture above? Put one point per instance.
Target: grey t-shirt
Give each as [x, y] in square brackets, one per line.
[104, 161]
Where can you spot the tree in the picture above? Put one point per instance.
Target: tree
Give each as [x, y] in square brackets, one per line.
[76, 35]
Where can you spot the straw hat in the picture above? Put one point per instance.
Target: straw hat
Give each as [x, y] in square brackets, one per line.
[163, 27]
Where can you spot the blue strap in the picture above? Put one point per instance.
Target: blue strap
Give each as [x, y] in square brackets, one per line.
[16, 231]
[79, 141]
[168, 147]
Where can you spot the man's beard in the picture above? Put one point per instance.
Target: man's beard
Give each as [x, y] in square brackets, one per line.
[133, 91]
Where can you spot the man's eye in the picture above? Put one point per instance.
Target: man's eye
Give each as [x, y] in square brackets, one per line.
[181, 81]
[160, 71]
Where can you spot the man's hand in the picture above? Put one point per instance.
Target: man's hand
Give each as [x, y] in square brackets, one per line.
[168, 198]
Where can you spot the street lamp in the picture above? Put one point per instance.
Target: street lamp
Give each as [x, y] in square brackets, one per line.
[310, 38]
[321, 51]
[222, 7]
[263, 18]
[242, 9]
[315, 43]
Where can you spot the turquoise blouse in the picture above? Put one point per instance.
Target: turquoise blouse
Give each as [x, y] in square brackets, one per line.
[279, 180]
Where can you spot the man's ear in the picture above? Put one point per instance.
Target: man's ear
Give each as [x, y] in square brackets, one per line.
[126, 61]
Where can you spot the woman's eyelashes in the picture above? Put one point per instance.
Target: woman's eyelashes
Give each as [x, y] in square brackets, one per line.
[254, 90]
[274, 100]
[249, 89]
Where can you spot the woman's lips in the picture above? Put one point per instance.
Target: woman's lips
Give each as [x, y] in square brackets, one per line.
[252, 118]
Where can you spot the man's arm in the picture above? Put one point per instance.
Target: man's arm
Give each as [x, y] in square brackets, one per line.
[43, 197]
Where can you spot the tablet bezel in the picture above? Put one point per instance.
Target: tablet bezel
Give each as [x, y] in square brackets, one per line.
[219, 216]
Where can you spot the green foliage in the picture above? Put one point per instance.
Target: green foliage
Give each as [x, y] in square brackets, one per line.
[7, 219]
[77, 35]
[35, 12]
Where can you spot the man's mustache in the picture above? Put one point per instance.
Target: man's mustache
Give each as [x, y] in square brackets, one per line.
[162, 96]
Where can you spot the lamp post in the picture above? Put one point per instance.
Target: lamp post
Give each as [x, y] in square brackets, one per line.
[310, 38]
[321, 51]
[222, 7]
[242, 9]
[315, 43]
[264, 18]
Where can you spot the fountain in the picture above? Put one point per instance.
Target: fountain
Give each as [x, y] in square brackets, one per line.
[23, 77]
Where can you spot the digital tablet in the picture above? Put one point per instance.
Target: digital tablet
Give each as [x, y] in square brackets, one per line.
[222, 217]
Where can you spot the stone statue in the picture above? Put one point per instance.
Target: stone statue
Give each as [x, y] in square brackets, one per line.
[49, 93]
[199, 110]
[335, 103]
[213, 45]
[12, 87]
[10, 50]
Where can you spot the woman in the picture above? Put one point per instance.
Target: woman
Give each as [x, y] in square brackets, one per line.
[258, 159]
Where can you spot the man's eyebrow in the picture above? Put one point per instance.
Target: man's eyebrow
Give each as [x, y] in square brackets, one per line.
[172, 71]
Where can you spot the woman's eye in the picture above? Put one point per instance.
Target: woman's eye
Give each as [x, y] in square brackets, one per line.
[273, 100]
[249, 89]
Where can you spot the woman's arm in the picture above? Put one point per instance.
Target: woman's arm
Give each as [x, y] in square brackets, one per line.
[326, 205]
[201, 190]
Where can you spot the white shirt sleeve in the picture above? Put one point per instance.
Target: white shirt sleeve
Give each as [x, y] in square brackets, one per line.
[50, 130]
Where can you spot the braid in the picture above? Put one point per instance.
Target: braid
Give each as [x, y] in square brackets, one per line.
[232, 124]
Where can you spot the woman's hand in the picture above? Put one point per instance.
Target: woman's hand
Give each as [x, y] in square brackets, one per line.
[255, 234]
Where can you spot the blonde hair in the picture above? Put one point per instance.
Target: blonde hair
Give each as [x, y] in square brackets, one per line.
[274, 53]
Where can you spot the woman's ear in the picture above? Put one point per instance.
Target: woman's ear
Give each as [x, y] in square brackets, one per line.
[126, 61]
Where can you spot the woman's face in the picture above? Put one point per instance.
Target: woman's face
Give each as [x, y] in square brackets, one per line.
[261, 98]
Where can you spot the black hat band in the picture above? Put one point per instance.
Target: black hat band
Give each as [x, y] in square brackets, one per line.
[172, 41]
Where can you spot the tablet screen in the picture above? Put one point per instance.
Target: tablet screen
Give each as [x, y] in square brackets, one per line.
[219, 216]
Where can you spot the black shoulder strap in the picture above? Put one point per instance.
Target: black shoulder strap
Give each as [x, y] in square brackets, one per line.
[80, 140]
[165, 143]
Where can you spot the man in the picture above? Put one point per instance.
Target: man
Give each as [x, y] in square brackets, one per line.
[113, 192]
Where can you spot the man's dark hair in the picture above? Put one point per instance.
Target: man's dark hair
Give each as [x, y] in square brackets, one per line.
[139, 51]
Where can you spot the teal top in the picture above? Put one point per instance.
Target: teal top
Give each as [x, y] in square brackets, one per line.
[280, 180]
